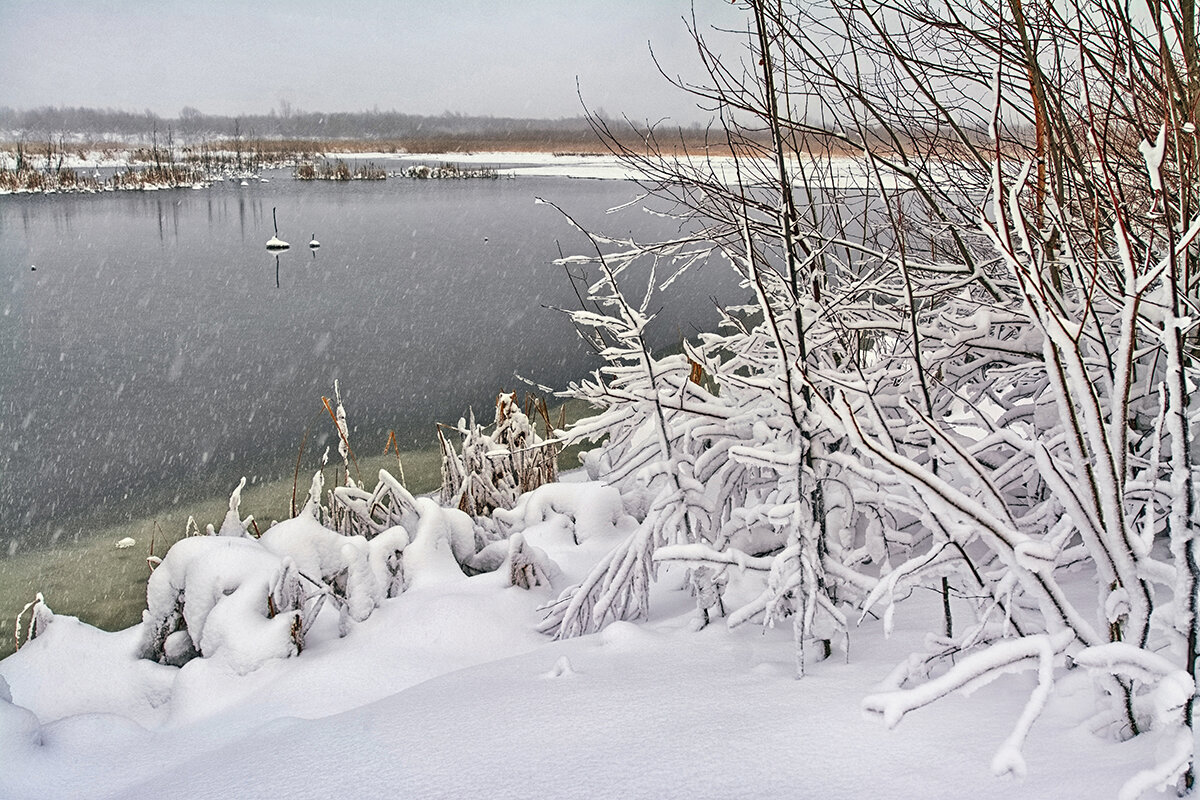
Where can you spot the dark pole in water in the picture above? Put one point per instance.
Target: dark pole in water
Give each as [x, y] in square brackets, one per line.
[275, 243]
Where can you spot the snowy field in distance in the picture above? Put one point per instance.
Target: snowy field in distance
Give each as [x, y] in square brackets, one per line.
[845, 170]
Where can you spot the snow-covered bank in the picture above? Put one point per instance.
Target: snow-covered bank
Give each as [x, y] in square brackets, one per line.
[86, 575]
[449, 691]
[605, 167]
[630, 713]
[843, 171]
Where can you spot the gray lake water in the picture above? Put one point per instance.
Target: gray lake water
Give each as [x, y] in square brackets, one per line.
[152, 351]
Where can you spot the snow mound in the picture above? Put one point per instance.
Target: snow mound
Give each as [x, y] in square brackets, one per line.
[214, 589]
[248, 601]
[444, 537]
[20, 730]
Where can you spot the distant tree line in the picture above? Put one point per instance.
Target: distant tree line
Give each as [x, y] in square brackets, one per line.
[285, 123]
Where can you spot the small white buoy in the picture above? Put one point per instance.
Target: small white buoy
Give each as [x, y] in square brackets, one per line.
[245, 184]
[126, 543]
[314, 244]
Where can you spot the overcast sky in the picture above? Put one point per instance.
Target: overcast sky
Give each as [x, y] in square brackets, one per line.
[487, 57]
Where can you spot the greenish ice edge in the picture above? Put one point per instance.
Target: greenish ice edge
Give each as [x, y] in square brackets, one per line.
[87, 576]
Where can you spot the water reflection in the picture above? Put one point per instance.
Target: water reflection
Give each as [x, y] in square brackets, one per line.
[168, 207]
[282, 257]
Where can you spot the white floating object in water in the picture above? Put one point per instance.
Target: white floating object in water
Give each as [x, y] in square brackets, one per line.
[244, 183]
[126, 543]
[275, 243]
[314, 244]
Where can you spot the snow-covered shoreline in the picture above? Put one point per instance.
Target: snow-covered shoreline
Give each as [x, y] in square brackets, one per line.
[429, 673]
[601, 167]
[843, 171]
[449, 691]
[509, 164]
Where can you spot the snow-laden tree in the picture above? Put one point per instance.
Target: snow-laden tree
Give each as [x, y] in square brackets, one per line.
[965, 358]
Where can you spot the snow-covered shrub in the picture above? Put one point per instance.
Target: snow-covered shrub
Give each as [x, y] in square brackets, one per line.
[719, 448]
[226, 576]
[248, 600]
[445, 538]
[965, 364]
[330, 559]
[617, 588]
[528, 565]
[233, 524]
[387, 560]
[581, 511]
[493, 470]
[354, 511]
